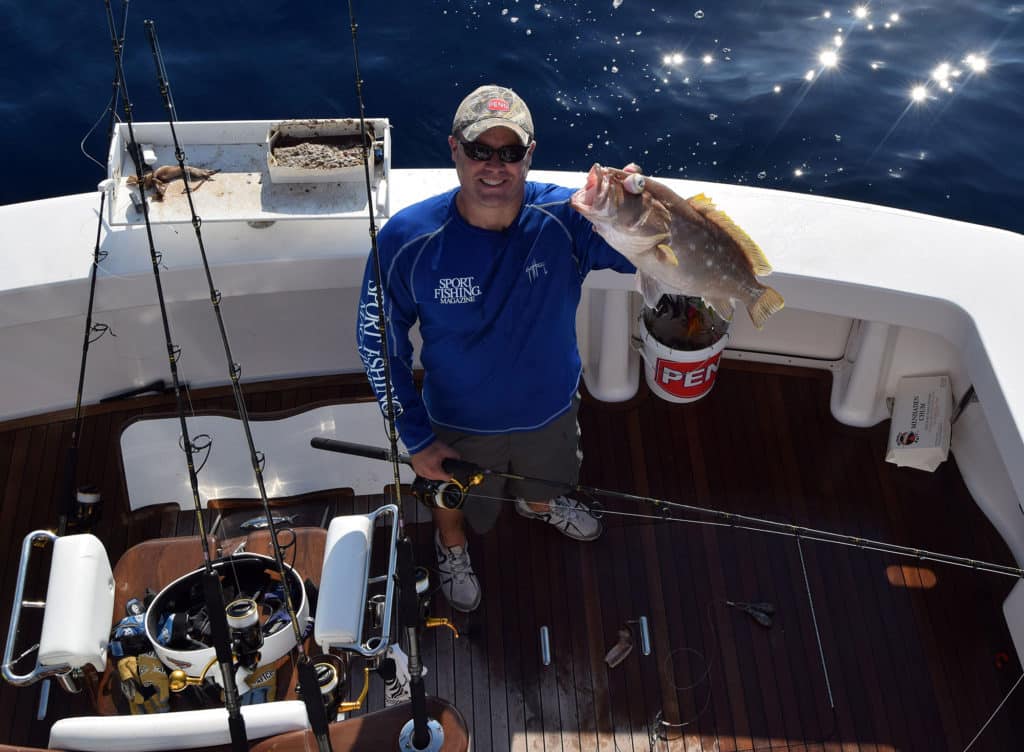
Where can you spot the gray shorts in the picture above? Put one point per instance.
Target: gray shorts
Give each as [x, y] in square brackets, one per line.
[549, 453]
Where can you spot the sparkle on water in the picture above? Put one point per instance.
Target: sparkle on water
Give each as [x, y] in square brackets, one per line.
[723, 93]
[829, 58]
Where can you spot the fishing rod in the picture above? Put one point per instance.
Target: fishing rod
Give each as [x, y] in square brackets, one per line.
[67, 509]
[421, 733]
[212, 592]
[72, 510]
[306, 671]
[375, 255]
[465, 475]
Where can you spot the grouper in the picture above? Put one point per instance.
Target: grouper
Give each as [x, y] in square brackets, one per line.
[680, 246]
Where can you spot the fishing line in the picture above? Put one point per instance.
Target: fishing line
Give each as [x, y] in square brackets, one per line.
[213, 593]
[314, 705]
[661, 726]
[814, 620]
[111, 105]
[994, 712]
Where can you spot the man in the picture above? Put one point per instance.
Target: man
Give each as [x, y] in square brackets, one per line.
[492, 271]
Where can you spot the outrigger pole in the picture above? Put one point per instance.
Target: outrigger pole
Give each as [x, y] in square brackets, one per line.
[421, 733]
[307, 673]
[213, 595]
[460, 469]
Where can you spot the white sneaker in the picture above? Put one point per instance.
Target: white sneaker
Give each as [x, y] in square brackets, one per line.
[396, 690]
[458, 580]
[568, 515]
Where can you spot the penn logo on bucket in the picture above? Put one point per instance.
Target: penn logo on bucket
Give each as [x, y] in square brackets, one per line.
[687, 380]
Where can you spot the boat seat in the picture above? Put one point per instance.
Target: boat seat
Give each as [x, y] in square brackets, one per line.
[155, 471]
[339, 618]
[76, 612]
[185, 729]
[79, 604]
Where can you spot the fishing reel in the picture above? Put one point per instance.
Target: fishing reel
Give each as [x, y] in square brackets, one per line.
[243, 617]
[445, 494]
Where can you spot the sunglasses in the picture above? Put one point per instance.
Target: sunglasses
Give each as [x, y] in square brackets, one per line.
[482, 152]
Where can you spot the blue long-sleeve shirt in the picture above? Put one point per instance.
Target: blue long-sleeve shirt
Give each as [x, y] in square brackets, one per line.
[496, 311]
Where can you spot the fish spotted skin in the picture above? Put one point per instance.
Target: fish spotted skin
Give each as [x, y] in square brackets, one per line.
[679, 246]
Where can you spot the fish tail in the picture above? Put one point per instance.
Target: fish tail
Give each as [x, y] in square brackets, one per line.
[768, 303]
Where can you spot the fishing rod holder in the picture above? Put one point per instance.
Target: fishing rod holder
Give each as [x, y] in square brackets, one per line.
[76, 611]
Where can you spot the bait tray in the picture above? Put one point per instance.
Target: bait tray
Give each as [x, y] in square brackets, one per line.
[318, 151]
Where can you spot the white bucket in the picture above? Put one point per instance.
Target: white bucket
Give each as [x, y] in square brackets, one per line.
[178, 596]
[679, 375]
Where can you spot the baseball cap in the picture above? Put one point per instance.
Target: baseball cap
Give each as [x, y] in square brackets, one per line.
[492, 106]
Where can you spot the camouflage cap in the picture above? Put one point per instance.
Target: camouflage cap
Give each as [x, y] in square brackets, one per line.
[489, 107]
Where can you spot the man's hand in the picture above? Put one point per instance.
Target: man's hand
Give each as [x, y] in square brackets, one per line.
[427, 462]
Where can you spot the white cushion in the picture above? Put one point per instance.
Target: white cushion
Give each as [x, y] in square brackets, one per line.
[186, 729]
[79, 604]
[342, 602]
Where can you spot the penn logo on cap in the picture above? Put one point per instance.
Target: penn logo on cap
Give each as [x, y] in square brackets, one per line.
[498, 105]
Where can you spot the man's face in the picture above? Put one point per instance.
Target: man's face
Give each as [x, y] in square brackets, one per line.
[491, 184]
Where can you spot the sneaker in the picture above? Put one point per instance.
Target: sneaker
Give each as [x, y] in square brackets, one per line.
[396, 688]
[568, 515]
[396, 683]
[458, 580]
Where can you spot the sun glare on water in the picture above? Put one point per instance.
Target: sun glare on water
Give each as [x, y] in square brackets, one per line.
[829, 58]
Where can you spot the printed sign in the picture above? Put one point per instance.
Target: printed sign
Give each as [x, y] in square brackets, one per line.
[920, 429]
[687, 380]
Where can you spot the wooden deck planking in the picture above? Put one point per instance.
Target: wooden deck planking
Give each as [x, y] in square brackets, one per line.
[762, 443]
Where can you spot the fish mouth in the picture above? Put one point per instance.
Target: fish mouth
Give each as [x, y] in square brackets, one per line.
[592, 198]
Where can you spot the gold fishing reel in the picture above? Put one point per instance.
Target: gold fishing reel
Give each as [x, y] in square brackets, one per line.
[444, 494]
[178, 679]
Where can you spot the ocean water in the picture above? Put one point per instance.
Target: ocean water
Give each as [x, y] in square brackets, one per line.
[915, 105]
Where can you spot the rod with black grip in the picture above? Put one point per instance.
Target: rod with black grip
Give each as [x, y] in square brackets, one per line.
[450, 465]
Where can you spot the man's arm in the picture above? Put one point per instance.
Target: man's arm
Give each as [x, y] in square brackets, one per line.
[400, 314]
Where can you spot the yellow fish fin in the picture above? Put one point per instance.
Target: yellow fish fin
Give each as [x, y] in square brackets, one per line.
[667, 254]
[754, 254]
[769, 302]
[721, 306]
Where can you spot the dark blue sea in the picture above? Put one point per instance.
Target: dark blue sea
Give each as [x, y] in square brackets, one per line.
[917, 105]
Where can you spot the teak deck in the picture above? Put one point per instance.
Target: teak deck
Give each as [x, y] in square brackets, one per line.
[917, 654]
